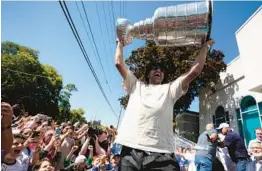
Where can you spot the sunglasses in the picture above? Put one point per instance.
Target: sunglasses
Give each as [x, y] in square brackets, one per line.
[157, 67]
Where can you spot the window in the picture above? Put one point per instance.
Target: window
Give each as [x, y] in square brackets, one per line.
[248, 103]
[220, 116]
[260, 108]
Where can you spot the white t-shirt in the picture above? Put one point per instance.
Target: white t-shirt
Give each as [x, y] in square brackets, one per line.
[147, 123]
[17, 166]
[25, 158]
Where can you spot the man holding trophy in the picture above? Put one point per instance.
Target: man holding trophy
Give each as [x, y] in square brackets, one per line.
[146, 132]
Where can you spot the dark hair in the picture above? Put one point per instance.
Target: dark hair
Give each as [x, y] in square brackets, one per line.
[16, 109]
[152, 65]
[19, 136]
[37, 165]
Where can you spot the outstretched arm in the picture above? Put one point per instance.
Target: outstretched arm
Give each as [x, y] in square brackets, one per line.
[6, 130]
[119, 61]
[198, 65]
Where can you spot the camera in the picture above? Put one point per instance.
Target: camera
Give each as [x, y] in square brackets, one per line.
[49, 122]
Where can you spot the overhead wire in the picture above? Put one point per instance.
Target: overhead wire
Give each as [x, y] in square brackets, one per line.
[109, 35]
[25, 73]
[107, 26]
[79, 41]
[90, 39]
[102, 35]
[92, 35]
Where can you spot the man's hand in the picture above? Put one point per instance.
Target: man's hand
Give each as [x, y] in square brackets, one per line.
[90, 148]
[74, 148]
[6, 114]
[198, 65]
[57, 145]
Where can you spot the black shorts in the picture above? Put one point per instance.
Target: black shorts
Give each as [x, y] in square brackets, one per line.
[138, 160]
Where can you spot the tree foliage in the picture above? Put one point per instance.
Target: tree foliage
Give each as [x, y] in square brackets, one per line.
[65, 112]
[26, 81]
[77, 115]
[37, 87]
[177, 61]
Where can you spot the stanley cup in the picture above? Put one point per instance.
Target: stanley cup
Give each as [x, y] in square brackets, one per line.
[180, 25]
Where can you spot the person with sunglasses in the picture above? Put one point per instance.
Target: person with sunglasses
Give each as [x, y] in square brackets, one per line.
[146, 131]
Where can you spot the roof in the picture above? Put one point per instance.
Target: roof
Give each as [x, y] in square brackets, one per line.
[191, 112]
[250, 18]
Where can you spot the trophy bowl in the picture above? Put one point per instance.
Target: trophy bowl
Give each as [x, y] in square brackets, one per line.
[179, 25]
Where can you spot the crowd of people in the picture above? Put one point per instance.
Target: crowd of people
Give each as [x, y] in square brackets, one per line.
[39, 143]
[222, 149]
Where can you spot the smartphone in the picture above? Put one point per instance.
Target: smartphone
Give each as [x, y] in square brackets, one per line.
[58, 132]
[36, 134]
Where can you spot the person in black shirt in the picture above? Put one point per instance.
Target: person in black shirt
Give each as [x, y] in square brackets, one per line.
[236, 147]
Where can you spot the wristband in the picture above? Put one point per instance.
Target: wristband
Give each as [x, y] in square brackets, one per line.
[117, 40]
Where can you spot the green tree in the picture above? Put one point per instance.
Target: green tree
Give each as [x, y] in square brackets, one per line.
[38, 87]
[77, 115]
[65, 111]
[64, 102]
[28, 82]
[177, 61]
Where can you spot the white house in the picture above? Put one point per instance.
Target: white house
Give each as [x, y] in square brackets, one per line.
[237, 98]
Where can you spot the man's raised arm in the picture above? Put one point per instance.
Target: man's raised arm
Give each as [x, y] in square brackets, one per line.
[119, 61]
[198, 65]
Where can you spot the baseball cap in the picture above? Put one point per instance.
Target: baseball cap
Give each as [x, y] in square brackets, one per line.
[223, 125]
[80, 159]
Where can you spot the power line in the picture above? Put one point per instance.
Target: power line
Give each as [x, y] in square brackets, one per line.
[79, 41]
[107, 26]
[86, 31]
[90, 29]
[111, 21]
[114, 21]
[102, 35]
[25, 73]
[120, 7]
[95, 52]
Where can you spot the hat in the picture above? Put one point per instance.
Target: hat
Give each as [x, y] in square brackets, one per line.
[223, 125]
[80, 159]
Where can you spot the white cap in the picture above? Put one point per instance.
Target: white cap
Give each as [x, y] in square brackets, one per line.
[223, 125]
[80, 159]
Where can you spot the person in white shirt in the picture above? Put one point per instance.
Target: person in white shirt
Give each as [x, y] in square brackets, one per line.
[146, 131]
[256, 152]
[258, 139]
[223, 156]
[9, 162]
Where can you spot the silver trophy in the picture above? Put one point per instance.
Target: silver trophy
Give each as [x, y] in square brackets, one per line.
[180, 25]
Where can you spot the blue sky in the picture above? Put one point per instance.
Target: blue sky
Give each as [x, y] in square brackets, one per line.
[42, 26]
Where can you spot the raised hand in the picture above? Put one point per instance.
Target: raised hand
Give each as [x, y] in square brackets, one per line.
[6, 113]
[74, 148]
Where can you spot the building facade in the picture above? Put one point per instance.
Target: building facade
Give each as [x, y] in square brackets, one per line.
[187, 125]
[237, 98]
